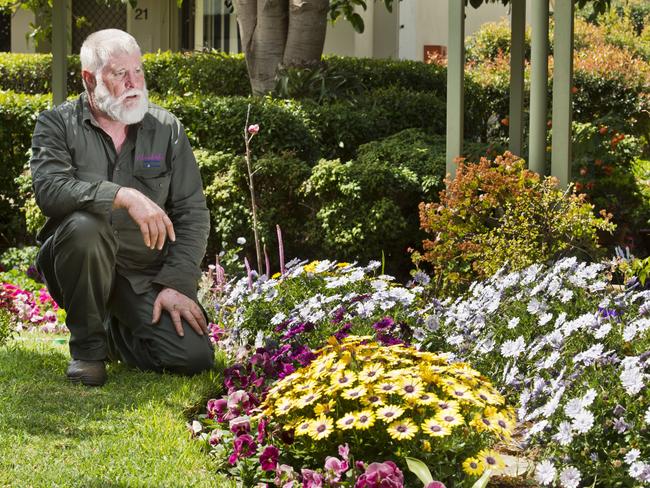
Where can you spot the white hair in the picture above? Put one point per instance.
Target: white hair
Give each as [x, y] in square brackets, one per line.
[99, 47]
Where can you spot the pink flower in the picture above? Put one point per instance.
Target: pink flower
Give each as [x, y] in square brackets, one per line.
[344, 451]
[244, 446]
[253, 129]
[435, 484]
[261, 429]
[381, 475]
[311, 479]
[335, 468]
[217, 409]
[240, 425]
[269, 458]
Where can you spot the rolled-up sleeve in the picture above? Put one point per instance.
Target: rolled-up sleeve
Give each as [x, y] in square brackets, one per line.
[189, 213]
[57, 190]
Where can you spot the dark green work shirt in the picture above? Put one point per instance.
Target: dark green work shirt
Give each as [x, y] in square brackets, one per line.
[75, 167]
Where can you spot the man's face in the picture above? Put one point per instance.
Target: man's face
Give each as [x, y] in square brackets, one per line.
[121, 92]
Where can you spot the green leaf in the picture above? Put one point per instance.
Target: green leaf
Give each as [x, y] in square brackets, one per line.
[483, 480]
[419, 469]
[357, 22]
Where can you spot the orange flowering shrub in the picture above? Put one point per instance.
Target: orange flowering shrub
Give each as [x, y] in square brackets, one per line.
[496, 212]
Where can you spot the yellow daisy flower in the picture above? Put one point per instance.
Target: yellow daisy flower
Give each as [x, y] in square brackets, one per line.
[410, 388]
[302, 428]
[490, 459]
[426, 446]
[346, 422]
[308, 399]
[402, 429]
[371, 373]
[387, 387]
[450, 419]
[354, 393]
[373, 399]
[364, 419]
[311, 267]
[284, 406]
[435, 428]
[473, 466]
[342, 264]
[343, 379]
[482, 423]
[426, 398]
[389, 413]
[323, 408]
[321, 428]
[462, 393]
[447, 406]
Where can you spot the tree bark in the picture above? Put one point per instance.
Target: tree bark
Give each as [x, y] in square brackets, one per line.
[306, 34]
[263, 27]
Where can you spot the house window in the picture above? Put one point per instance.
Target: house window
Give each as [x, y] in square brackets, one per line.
[220, 29]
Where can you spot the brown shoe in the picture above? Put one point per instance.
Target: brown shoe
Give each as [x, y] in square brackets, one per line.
[89, 373]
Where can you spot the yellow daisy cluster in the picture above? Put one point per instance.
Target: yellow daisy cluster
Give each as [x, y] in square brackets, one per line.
[358, 385]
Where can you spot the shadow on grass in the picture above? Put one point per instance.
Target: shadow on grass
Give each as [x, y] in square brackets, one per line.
[35, 397]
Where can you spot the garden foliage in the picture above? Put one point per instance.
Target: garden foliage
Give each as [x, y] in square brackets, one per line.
[497, 212]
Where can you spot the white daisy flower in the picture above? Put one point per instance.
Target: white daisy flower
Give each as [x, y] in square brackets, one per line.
[583, 422]
[564, 435]
[570, 477]
[637, 469]
[632, 455]
[513, 322]
[647, 416]
[512, 349]
[632, 380]
[545, 472]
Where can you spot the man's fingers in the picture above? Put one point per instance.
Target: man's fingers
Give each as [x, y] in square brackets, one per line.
[178, 325]
[200, 318]
[187, 315]
[170, 228]
[153, 233]
[162, 233]
[144, 229]
[157, 309]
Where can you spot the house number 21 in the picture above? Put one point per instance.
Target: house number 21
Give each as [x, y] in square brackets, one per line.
[141, 14]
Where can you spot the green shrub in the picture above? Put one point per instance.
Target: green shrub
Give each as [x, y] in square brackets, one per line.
[369, 205]
[32, 73]
[602, 168]
[344, 125]
[277, 179]
[212, 73]
[497, 212]
[18, 115]
[20, 258]
[217, 123]
[492, 40]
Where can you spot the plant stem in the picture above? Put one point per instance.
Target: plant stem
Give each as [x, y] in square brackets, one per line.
[251, 186]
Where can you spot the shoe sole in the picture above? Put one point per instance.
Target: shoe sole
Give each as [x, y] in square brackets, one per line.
[85, 381]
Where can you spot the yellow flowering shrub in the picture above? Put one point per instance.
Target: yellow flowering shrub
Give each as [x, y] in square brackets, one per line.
[391, 402]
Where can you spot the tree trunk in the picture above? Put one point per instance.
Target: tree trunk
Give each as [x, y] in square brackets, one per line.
[291, 32]
[263, 27]
[306, 36]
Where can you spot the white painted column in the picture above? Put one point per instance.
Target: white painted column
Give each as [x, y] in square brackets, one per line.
[198, 25]
[408, 22]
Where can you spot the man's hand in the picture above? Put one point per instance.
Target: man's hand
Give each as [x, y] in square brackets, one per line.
[152, 220]
[179, 306]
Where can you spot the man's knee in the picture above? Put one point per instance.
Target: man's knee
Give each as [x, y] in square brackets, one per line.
[189, 359]
[83, 231]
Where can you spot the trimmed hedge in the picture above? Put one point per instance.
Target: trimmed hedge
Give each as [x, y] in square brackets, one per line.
[18, 113]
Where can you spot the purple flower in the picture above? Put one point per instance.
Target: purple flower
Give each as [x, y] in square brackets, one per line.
[240, 426]
[383, 324]
[269, 458]
[344, 451]
[298, 329]
[216, 409]
[261, 429]
[311, 479]
[286, 370]
[244, 446]
[388, 340]
[620, 425]
[607, 313]
[215, 438]
[338, 314]
[343, 332]
[435, 484]
[381, 475]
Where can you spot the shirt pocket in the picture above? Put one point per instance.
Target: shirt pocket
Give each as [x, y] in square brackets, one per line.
[154, 185]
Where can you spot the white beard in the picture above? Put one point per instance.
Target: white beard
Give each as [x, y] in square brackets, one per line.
[114, 107]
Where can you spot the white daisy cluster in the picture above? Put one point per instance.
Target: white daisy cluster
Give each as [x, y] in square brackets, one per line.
[550, 335]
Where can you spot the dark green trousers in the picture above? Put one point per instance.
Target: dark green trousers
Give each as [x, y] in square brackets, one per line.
[106, 318]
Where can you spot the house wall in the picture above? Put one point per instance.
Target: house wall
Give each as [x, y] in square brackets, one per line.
[19, 27]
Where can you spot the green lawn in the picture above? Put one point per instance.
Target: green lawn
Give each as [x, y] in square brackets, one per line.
[130, 433]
